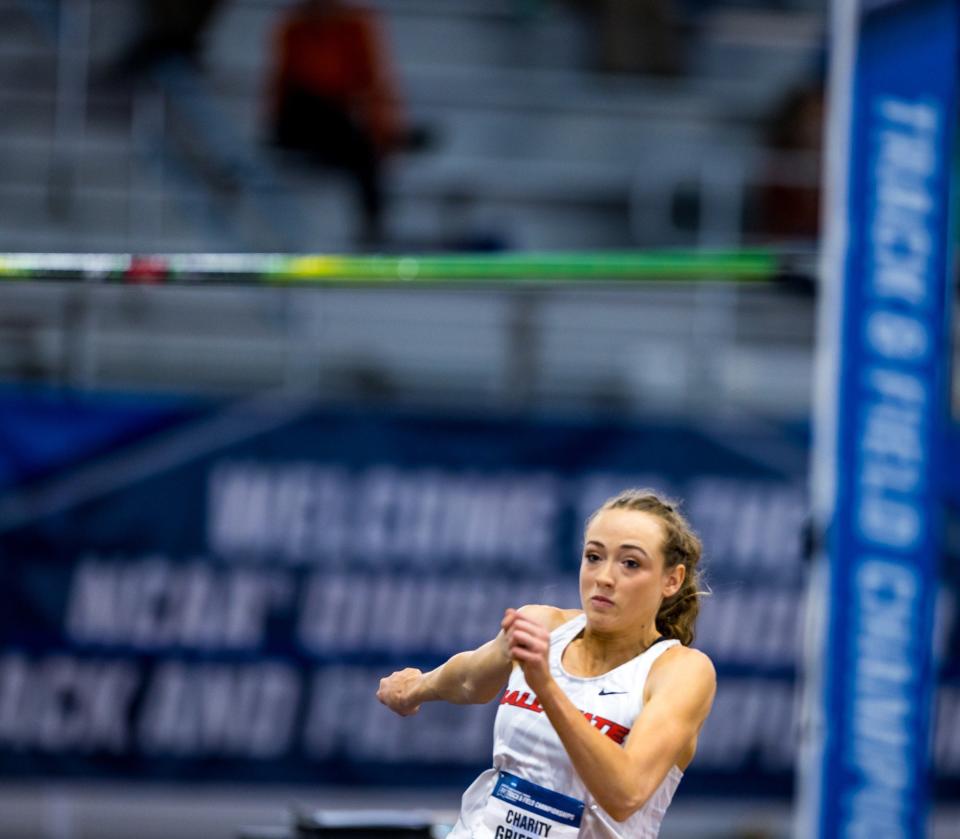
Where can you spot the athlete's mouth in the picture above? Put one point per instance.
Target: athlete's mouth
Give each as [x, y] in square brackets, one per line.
[600, 600]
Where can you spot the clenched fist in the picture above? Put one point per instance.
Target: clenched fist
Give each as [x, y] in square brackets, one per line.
[528, 643]
[398, 691]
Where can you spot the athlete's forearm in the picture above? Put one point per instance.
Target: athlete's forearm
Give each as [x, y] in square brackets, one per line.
[606, 769]
[448, 682]
[472, 677]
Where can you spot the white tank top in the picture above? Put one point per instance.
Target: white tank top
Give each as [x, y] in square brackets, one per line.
[526, 745]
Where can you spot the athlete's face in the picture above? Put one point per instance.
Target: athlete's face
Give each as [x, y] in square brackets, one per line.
[622, 575]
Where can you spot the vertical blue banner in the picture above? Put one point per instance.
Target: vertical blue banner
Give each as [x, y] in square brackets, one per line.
[882, 413]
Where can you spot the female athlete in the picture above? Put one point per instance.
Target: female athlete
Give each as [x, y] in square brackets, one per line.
[603, 705]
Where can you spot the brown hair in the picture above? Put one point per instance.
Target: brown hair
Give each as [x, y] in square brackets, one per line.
[681, 546]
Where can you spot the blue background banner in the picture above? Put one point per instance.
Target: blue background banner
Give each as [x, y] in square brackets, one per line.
[885, 539]
[210, 591]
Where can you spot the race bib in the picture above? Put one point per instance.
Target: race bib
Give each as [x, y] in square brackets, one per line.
[518, 809]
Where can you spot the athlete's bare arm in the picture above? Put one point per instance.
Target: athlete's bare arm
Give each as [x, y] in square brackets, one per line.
[678, 697]
[471, 677]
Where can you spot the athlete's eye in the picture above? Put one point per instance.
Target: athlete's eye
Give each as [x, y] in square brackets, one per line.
[631, 564]
[591, 557]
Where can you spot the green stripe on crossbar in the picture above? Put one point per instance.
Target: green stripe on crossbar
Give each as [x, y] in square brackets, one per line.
[334, 268]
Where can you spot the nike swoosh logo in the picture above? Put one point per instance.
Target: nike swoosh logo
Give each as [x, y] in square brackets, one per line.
[611, 692]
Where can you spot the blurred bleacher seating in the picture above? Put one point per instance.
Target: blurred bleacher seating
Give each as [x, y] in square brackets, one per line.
[534, 150]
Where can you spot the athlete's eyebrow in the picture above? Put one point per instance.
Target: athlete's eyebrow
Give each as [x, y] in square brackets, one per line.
[627, 546]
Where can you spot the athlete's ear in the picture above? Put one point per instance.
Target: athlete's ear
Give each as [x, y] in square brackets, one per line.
[673, 579]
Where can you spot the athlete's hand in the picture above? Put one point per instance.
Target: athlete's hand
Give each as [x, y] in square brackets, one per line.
[398, 691]
[529, 644]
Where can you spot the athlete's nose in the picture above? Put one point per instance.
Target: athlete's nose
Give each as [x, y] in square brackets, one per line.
[604, 576]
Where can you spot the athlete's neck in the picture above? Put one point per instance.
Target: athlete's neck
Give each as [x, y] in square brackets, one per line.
[593, 652]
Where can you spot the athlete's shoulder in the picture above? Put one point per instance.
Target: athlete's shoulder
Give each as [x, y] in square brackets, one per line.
[549, 616]
[684, 664]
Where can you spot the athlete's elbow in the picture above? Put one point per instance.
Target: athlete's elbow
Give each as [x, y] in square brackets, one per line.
[621, 807]
[620, 814]
[622, 811]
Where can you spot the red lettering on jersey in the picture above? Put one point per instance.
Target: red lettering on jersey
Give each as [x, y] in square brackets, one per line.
[524, 700]
[616, 732]
[529, 702]
[532, 705]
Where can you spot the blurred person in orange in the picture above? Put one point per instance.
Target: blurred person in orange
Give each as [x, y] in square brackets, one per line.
[333, 96]
[604, 704]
